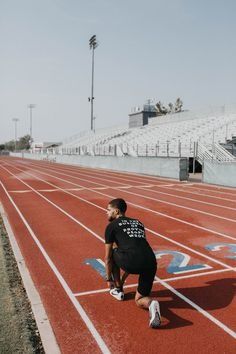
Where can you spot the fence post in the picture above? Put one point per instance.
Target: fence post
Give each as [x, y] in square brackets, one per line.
[179, 147]
[194, 156]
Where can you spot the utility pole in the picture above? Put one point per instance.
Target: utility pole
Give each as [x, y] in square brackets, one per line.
[15, 120]
[31, 106]
[93, 45]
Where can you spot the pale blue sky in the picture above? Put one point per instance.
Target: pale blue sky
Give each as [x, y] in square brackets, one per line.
[147, 49]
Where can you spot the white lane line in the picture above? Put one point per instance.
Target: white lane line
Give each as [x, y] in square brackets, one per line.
[76, 189]
[136, 194]
[102, 174]
[135, 205]
[99, 339]
[21, 191]
[46, 332]
[186, 198]
[164, 185]
[179, 220]
[104, 290]
[147, 186]
[203, 194]
[101, 239]
[213, 191]
[75, 302]
[181, 206]
[167, 185]
[97, 206]
[187, 184]
[199, 309]
[110, 173]
[51, 184]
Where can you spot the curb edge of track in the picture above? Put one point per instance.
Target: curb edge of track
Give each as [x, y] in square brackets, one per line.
[46, 332]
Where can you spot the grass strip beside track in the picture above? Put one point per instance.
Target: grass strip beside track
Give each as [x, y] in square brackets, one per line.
[18, 330]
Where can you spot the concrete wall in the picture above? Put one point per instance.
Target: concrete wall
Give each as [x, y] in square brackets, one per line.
[158, 166]
[140, 118]
[223, 173]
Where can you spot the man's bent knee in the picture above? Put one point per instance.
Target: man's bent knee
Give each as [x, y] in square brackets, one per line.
[138, 297]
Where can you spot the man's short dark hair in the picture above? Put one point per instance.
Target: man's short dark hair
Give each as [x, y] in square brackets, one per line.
[119, 203]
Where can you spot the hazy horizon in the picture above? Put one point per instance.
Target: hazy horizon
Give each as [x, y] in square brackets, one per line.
[153, 49]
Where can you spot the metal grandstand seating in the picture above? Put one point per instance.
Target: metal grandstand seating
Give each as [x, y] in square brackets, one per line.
[172, 135]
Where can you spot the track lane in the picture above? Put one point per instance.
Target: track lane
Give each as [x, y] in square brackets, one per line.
[192, 239]
[157, 181]
[67, 325]
[74, 209]
[113, 300]
[96, 203]
[178, 214]
[134, 347]
[202, 198]
[212, 190]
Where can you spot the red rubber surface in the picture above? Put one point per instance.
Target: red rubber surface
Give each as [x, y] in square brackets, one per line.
[65, 208]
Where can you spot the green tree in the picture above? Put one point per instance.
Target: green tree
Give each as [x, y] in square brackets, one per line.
[178, 105]
[171, 108]
[10, 145]
[161, 110]
[24, 143]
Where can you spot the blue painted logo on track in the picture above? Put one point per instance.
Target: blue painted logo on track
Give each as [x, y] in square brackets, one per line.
[231, 248]
[179, 263]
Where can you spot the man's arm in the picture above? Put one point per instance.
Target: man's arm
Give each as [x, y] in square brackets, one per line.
[108, 260]
[124, 277]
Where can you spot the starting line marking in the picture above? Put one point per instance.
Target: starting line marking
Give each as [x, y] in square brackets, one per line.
[76, 189]
[104, 290]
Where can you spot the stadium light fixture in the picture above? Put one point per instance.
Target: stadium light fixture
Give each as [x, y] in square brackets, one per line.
[31, 106]
[15, 120]
[92, 45]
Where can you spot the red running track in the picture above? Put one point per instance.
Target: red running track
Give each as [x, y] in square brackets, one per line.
[57, 213]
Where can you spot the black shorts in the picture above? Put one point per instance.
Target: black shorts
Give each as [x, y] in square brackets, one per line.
[143, 264]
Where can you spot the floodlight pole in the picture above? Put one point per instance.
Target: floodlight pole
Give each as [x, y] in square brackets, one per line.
[15, 120]
[31, 106]
[93, 44]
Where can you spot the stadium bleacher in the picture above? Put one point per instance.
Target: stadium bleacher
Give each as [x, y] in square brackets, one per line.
[171, 135]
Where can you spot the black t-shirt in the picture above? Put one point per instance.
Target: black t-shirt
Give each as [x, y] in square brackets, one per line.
[127, 233]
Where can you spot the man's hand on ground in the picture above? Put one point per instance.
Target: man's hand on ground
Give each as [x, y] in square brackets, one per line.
[111, 284]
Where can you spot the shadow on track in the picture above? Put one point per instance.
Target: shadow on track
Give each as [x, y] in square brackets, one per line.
[216, 294]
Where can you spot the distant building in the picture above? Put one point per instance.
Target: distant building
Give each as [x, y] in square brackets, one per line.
[139, 115]
[39, 146]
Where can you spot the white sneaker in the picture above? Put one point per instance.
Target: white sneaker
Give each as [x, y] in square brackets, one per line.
[155, 315]
[117, 294]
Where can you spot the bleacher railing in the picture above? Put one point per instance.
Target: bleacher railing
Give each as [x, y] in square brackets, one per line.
[179, 149]
[212, 151]
[161, 148]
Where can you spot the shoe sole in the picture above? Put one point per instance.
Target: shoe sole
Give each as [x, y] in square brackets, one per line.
[155, 321]
[117, 297]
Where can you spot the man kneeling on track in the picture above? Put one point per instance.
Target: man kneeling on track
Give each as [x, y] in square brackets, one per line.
[126, 248]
